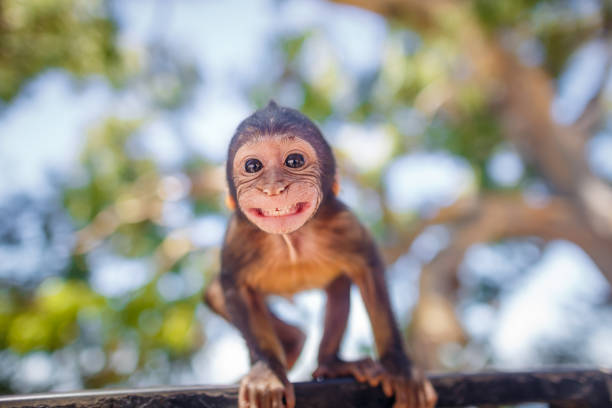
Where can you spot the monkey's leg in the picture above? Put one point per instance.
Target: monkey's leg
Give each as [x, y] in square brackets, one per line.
[397, 375]
[266, 384]
[336, 317]
[291, 338]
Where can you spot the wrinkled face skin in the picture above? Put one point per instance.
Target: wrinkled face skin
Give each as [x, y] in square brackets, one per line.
[277, 180]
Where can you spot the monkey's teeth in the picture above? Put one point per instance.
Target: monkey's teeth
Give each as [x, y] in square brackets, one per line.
[279, 212]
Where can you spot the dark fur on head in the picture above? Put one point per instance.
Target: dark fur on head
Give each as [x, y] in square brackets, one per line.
[278, 120]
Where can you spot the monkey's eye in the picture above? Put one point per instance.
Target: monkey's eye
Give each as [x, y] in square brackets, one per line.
[294, 160]
[252, 166]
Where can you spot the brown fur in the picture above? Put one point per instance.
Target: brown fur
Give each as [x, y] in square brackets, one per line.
[329, 251]
[318, 261]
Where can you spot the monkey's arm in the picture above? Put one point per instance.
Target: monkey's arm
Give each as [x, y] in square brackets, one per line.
[336, 315]
[266, 383]
[398, 375]
[330, 365]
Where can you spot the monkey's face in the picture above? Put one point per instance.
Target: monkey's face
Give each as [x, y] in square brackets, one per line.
[278, 182]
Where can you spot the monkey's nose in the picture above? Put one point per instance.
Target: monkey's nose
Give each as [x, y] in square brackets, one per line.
[274, 190]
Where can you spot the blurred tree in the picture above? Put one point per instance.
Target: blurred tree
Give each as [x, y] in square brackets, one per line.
[484, 78]
[473, 79]
[506, 58]
[113, 214]
[75, 35]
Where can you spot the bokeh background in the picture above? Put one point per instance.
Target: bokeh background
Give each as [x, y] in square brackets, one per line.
[473, 136]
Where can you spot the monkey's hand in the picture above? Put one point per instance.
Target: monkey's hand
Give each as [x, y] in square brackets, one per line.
[365, 370]
[410, 387]
[263, 388]
[408, 383]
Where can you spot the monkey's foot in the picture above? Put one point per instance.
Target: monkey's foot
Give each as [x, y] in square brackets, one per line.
[365, 370]
[262, 387]
[411, 389]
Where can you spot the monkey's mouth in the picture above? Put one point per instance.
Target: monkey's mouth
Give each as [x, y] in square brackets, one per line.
[280, 211]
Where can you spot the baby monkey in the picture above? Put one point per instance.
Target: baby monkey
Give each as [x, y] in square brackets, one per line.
[289, 233]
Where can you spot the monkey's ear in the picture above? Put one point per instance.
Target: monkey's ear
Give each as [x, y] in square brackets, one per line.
[336, 185]
[230, 203]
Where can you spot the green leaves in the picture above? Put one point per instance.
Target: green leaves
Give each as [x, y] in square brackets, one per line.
[49, 320]
[75, 35]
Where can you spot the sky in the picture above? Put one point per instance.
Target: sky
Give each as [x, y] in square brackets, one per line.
[41, 131]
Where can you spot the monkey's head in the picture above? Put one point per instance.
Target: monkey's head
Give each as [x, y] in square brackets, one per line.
[279, 169]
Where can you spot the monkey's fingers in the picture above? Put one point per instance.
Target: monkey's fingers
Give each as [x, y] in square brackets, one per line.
[409, 393]
[276, 397]
[357, 370]
[414, 394]
[404, 395]
[425, 395]
[365, 370]
[387, 386]
[322, 371]
[264, 397]
[374, 374]
[263, 394]
[332, 370]
[431, 397]
[289, 395]
[243, 399]
[253, 396]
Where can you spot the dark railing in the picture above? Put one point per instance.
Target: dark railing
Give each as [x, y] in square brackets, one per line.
[557, 387]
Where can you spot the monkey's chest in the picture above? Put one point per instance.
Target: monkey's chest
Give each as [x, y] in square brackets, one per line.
[289, 279]
[284, 270]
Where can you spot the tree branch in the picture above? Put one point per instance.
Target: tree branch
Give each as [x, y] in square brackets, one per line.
[495, 217]
[569, 387]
